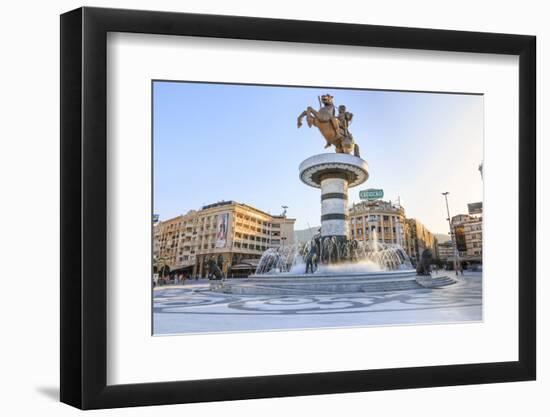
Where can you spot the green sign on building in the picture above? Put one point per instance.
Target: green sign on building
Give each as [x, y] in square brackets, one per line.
[371, 194]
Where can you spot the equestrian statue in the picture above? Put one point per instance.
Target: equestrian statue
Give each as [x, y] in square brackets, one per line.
[334, 127]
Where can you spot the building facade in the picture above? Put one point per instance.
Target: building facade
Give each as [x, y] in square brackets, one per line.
[468, 232]
[457, 223]
[473, 234]
[226, 233]
[446, 251]
[390, 224]
[419, 238]
[382, 218]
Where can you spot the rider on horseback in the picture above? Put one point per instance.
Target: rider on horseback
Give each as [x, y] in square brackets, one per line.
[335, 129]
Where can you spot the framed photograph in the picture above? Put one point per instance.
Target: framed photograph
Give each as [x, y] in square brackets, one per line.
[260, 208]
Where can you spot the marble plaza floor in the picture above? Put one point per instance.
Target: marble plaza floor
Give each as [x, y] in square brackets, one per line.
[192, 308]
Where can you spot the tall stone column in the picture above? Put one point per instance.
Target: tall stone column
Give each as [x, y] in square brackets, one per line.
[334, 206]
[334, 173]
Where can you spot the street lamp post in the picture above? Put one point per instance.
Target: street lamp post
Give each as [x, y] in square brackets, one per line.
[453, 240]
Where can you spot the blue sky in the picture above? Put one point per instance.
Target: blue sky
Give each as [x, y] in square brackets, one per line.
[217, 142]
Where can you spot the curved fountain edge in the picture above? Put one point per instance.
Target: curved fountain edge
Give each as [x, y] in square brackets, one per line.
[326, 277]
[365, 283]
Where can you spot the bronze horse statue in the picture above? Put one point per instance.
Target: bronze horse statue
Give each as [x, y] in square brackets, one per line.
[333, 128]
[424, 266]
[214, 270]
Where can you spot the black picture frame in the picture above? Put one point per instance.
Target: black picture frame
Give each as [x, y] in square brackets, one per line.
[84, 207]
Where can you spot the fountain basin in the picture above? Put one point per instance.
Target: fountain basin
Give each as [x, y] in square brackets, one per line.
[324, 283]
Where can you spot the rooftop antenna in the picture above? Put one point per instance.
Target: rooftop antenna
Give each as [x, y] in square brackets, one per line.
[284, 211]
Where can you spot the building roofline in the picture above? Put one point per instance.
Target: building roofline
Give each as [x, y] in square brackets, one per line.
[223, 204]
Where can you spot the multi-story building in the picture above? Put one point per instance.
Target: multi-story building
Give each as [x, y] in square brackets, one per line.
[460, 239]
[226, 233]
[418, 239]
[446, 251]
[389, 223]
[166, 240]
[467, 231]
[473, 231]
[282, 231]
[458, 222]
[468, 234]
[459, 219]
[385, 219]
[473, 234]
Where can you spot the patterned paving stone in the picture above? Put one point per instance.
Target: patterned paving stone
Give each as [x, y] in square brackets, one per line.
[194, 309]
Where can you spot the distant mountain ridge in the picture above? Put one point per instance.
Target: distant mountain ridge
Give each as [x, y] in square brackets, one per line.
[442, 238]
[305, 234]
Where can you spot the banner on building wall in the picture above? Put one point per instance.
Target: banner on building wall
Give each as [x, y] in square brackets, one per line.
[221, 230]
[475, 208]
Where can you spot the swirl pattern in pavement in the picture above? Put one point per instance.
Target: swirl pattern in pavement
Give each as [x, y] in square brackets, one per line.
[201, 301]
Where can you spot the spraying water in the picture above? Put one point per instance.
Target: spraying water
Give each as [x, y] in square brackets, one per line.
[335, 255]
